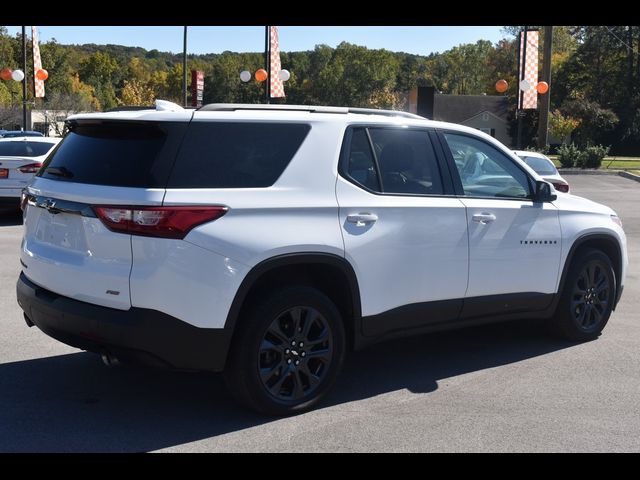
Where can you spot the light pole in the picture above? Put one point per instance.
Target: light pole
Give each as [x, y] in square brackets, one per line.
[24, 80]
[184, 69]
[543, 122]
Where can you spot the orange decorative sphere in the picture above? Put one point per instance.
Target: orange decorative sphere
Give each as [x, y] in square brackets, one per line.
[542, 87]
[501, 86]
[261, 75]
[42, 74]
[5, 74]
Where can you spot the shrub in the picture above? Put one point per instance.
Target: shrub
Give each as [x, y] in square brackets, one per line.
[568, 155]
[592, 156]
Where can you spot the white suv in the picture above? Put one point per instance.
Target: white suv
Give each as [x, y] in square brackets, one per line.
[266, 241]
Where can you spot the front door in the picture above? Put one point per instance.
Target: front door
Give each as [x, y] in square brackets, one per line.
[514, 242]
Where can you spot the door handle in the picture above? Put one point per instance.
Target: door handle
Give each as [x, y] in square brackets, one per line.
[483, 218]
[362, 219]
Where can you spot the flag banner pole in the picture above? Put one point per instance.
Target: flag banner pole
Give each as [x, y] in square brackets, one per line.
[276, 85]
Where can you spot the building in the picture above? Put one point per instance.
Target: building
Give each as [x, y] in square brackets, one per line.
[48, 122]
[488, 113]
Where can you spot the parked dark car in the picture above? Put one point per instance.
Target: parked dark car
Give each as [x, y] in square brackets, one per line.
[20, 133]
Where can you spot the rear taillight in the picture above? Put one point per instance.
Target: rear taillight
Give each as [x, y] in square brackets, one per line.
[165, 222]
[31, 168]
[561, 187]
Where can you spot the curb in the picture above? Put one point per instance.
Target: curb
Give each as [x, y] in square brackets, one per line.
[630, 176]
[579, 171]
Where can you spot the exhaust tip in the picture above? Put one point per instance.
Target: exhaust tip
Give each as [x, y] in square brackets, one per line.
[110, 360]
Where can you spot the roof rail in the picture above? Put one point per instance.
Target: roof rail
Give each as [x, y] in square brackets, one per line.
[388, 113]
[128, 108]
[230, 107]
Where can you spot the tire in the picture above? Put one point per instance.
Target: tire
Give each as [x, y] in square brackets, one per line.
[265, 372]
[587, 297]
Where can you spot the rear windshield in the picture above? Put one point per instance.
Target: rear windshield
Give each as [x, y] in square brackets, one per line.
[122, 154]
[235, 155]
[541, 165]
[24, 149]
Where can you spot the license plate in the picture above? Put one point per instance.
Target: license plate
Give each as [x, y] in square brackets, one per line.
[4, 173]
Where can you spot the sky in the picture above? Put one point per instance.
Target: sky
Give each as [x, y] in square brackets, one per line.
[203, 39]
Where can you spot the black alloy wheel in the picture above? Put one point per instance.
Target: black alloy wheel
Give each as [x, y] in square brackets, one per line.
[587, 299]
[295, 353]
[591, 296]
[287, 351]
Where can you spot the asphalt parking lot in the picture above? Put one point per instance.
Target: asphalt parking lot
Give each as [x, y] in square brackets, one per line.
[505, 387]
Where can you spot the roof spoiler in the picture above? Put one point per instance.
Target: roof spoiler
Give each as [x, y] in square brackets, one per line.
[167, 106]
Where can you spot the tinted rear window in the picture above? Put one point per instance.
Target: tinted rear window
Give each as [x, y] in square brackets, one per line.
[24, 149]
[122, 154]
[541, 165]
[235, 155]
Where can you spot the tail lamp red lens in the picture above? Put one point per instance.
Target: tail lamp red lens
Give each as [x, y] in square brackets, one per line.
[165, 222]
[561, 187]
[30, 168]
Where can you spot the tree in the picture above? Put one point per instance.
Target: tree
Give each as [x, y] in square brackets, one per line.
[136, 93]
[61, 105]
[595, 121]
[561, 126]
[99, 71]
[10, 118]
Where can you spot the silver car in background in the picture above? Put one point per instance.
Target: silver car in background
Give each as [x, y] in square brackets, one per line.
[20, 159]
[544, 167]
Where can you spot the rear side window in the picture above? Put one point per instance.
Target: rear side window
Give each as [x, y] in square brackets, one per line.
[121, 154]
[407, 161]
[393, 160]
[24, 149]
[235, 155]
[361, 165]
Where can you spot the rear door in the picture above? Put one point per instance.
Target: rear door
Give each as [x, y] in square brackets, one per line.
[404, 232]
[66, 248]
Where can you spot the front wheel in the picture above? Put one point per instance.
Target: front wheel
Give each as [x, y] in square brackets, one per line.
[587, 298]
[287, 352]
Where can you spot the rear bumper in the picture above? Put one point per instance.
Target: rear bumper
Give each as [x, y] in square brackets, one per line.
[138, 334]
[13, 193]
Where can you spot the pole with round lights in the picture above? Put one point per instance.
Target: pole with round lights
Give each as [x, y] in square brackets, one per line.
[261, 75]
[18, 75]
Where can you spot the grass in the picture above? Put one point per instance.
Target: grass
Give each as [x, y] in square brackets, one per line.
[618, 163]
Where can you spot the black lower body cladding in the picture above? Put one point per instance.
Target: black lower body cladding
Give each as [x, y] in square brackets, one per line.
[139, 335]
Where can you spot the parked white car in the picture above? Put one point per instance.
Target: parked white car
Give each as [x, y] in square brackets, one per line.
[20, 159]
[544, 167]
[267, 240]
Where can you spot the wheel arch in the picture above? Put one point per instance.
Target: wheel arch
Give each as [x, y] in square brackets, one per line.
[327, 272]
[607, 244]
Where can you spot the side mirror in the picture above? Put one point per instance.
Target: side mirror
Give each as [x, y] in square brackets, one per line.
[543, 192]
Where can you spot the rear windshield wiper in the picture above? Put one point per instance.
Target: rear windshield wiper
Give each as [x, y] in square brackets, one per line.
[59, 171]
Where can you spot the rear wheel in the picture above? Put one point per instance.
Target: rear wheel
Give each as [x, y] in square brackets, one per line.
[287, 352]
[587, 298]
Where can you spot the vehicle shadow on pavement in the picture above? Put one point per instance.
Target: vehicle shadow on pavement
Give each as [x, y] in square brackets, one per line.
[9, 218]
[73, 403]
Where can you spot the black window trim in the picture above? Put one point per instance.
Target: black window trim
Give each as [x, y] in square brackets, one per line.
[455, 175]
[441, 167]
[374, 155]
